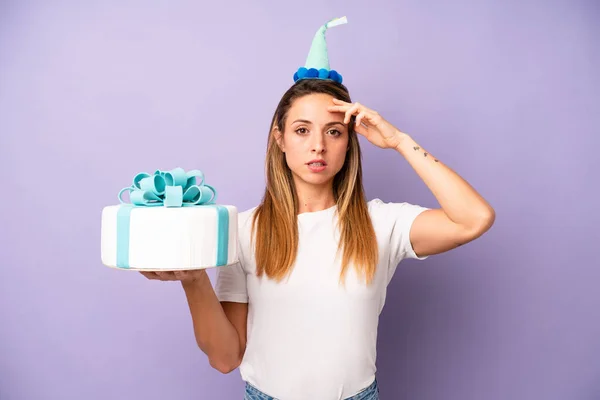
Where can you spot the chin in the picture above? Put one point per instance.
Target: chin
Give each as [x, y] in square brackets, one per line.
[315, 179]
[318, 179]
[318, 182]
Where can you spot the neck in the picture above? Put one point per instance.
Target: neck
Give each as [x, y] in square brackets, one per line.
[313, 198]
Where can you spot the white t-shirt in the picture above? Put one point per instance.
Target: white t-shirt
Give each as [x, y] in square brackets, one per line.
[308, 337]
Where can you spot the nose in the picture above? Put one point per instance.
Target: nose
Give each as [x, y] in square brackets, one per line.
[318, 143]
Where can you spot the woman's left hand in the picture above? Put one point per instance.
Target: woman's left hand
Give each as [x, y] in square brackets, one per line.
[369, 124]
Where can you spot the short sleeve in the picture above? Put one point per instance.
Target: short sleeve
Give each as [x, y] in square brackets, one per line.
[231, 283]
[399, 218]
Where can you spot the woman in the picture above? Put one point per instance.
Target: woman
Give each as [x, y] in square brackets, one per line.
[299, 313]
[301, 321]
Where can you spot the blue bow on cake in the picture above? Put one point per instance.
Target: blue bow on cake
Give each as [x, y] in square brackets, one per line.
[175, 188]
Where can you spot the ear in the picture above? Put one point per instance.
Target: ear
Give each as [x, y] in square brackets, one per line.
[279, 138]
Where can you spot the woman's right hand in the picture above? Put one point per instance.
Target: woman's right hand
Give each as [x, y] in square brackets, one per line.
[184, 276]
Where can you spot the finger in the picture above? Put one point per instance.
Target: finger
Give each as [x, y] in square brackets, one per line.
[178, 274]
[165, 275]
[338, 108]
[359, 119]
[149, 275]
[361, 129]
[344, 103]
[368, 111]
[350, 112]
[181, 275]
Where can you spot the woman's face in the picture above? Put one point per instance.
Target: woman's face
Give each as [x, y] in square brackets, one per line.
[315, 140]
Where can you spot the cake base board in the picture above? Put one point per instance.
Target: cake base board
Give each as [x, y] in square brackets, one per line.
[169, 269]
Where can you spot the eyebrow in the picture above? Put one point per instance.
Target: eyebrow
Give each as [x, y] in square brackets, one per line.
[305, 121]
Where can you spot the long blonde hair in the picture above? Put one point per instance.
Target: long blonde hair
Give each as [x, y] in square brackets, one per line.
[274, 225]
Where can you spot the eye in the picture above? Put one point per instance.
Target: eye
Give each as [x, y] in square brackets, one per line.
[334, 132]
[301, 131]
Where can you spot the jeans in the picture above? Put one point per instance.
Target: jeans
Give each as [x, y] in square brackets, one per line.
[369, 393]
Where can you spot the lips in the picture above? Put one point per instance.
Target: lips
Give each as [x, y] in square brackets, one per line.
[317, 163]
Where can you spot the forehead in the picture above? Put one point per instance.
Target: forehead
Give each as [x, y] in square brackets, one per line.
[313, 107]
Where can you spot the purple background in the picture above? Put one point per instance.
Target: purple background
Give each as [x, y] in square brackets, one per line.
[506, 93]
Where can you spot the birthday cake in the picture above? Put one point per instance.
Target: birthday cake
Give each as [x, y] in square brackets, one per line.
[171, 223]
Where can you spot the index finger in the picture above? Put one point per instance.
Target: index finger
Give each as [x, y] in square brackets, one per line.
[338, 108]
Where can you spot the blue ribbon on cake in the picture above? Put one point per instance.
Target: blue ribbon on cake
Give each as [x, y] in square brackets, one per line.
[174, 188]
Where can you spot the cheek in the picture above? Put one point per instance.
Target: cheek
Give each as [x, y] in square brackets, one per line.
[294, 151]
[294, 145]
[339, 149]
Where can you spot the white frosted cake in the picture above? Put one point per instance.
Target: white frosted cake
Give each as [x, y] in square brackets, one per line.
[172, 223]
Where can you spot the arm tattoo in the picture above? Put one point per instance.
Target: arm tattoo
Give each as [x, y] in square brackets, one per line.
[416, 148]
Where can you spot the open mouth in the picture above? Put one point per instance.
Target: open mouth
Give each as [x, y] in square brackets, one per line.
[317, 163]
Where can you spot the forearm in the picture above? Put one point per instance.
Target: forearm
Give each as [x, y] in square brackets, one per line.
[215, 334]
[461, 203]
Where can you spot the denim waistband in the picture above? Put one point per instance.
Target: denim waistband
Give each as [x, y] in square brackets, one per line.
[369, 393]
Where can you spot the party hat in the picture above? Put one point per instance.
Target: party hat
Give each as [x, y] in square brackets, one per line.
[317, 62]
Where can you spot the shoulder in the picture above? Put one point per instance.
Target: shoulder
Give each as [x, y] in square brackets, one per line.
[246, 215]
[245, 221]
[378, 206]
[393, 212]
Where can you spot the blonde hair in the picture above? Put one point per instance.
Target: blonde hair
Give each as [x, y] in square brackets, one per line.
[274, 225]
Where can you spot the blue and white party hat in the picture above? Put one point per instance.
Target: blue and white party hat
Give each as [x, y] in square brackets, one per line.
[317, 62]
